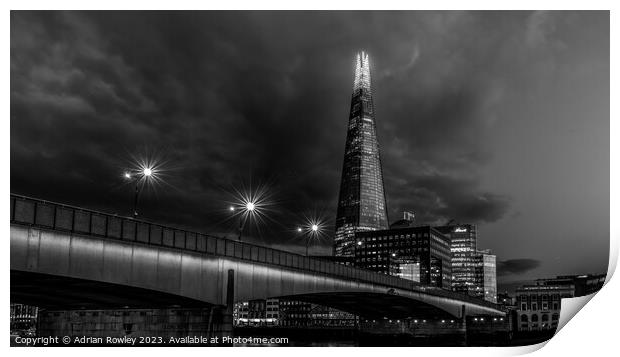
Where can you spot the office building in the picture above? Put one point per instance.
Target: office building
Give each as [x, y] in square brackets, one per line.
[464, 260]
[584, 284]
[420, 254]
[23, 317]
[257, 312]
[485, 281]
[294, 313]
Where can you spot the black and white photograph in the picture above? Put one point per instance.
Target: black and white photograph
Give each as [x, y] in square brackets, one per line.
[293, 178]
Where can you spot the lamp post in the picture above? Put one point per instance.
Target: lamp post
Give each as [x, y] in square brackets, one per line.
[145, 174]
[246, 210]
[311, 230]
[314, 229]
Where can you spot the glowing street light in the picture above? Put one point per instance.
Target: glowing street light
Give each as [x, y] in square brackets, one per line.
[246, 208]
[142, 175]
[312, 229]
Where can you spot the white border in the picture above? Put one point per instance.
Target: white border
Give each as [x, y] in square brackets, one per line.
[592, 329]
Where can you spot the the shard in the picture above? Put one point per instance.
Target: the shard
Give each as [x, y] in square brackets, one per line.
[361, 203]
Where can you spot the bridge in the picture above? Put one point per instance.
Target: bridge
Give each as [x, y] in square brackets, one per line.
[65, 257]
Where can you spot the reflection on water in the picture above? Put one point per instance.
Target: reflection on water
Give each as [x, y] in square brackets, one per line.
[353, 338]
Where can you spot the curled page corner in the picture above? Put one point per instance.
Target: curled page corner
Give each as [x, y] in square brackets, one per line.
[570, 308]
[518, 350]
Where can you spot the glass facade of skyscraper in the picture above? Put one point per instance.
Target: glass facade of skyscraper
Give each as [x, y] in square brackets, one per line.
[463, 247]
[486, 277]
[361, 203]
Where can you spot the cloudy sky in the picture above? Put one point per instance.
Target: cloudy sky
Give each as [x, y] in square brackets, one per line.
[500, 119]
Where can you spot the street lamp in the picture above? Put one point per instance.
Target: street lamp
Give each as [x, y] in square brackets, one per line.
[143, 174]
[312, 229]
[246, 209]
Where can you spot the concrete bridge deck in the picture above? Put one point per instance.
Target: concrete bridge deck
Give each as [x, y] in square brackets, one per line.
[69, 255]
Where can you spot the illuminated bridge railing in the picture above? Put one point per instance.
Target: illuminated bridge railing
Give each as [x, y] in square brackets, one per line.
[60, 217]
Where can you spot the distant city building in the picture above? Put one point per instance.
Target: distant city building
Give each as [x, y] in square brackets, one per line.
[464, 261]
[408, 216]
[361, 202]
[406, 222]
[538, 304]
[240, 313]
[350, 260]
[506, 300]
[272, 311]
[420, 254]
[321, 316]
[23, 317]
[256, 313]
[584, 284]
[486, 276]
[294, 313]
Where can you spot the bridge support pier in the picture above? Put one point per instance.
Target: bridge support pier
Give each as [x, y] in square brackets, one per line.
[227, 323]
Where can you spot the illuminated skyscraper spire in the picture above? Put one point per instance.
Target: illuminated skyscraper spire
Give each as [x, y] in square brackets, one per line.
[362, 73]
[361, 203]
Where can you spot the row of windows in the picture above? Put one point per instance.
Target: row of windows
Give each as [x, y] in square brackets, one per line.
[402, 236]
[544, 306]
[543, 318]
[554, 297]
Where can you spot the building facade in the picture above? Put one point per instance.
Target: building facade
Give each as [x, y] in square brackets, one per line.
[361, 202]
[538, 306]
[258, 312]
[463, 239]
[506, 300]
[485, 276]
[294, 313]
[421, 254]
[584, 284]
[23, 317]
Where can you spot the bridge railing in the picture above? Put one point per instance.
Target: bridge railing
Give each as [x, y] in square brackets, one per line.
[61, 217]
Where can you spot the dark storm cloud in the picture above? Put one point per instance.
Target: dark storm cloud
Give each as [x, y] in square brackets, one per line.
[221, 100]
[438, 198]
[516, 266]
[232, 98]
